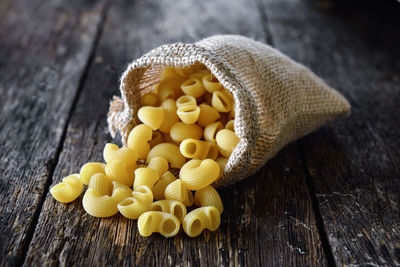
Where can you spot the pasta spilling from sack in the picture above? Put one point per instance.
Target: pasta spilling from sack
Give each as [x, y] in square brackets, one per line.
[185, 140]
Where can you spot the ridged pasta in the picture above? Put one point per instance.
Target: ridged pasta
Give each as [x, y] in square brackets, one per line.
[213, 152]
[207, 115]
[230, 125]
[181, 131]
[168, 151]
[138, 140]
[143, 194]
[89, 169]
[201, 218]
[167, 72]
[189, 200]
[208, 196]
[222, 161]
[177, 191]
[193, 87]
[159, 188]
[151, 116]
[127, 155]
[117, 171]
[199, 74]
[194, 148]
[132, 207]
[188, 114]
[68, 190]
[159, 164]
[99, 205]
[157, 138]
[120, 191]
[227, 140]
[145, 176]
[197, 174]
[158, 222]
[221, 102]
[170, 116]
[168, 139]
[169, 87]
[211, 84]
[186, 100]
[149, 99]
[211, 130]
[173, 207]
[100, 183]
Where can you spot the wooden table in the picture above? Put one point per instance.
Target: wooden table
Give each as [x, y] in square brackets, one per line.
[332, 198]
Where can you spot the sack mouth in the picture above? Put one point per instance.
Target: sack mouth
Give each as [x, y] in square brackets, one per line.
[145, 71]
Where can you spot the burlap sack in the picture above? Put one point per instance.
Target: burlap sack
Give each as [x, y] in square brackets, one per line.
[277, 100]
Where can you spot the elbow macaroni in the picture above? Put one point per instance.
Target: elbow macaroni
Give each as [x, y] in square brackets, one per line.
[151, 116]
[227, 140]
[173, 207]
[201, 218]
[89, 169]
[168, 151]
[138, 139]
[68, 190]
[158, 222]
[197, 174]
[181, 131]
[208, 196]
[161, 184]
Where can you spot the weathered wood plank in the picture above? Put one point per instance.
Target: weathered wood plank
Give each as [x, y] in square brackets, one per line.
[354, 163]
[45, 46]
[268, 219]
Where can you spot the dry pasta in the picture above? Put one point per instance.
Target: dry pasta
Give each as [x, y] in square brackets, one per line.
[157, 138]
[161, 184]
[170, 116]
[120, 191]
[145, 176]
[211, 84]
[207, 115]
[169, 87]
[168, 139]
[143, 194]
[138, 140]
[211, 130]
[208, 196]
[132, 207]
[117, 171]
[221, 102]
[168, 151]
[181, 131]
[193, 87]
[173, 207]
[226, 141]
[149, 99]
[199, 74]
[213, 152]
[230, 125]
[125, 154]
[188, 114]
[99, 205]
[189, 200]
[178, 191]
[89, 169]
[201, 218]
[68, 190]
[186, 100]
[194, 148]
[222, 163]
[158, 222]
[159, 164]
[151, 116]
[197, 174]
[101, 184]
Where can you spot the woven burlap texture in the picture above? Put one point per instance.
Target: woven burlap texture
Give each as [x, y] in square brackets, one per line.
[277, 99]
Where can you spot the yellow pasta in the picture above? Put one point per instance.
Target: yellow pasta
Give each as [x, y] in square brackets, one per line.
[158, 222]
[207, 115]
[100, 183]
[186, 71]
[197, 174]
[222, 161]
[138, 140]
[221, 102]
[177, 191]
[159, 188]
[230, 125]
[188, 114]
[117, 171]
[194, 148]
[145, 176]
[193, 87]
[173, 207]
[125, 154]
[201, 218]
[170, 116]
[168, 151]
[169, 87]
[99, 205]
[159, 164]
[120, 191]
[181, 131]
[151, 116]
[189, 200]
[156, 139]
[168, 139]
[68, 190]
[211, 84]
[226, 141]
[89, 169]
[149, 99]
[132, 207]
[143, 194]
[208, 196]
[167, 72]
[186, 100]
[211, 130]
[199, 74]
[213, 152]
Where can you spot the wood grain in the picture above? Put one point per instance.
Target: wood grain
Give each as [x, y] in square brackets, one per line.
[45, 47]
[353, 164]
[268, 219]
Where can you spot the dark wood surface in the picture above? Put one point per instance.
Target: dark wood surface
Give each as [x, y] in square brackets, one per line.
[331, 198]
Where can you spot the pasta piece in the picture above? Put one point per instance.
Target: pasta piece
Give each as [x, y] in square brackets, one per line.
[199, 74]
[168, 139]
[149, 99]
[173, 207]
[193, 87]
[222, 163]
[120, 191]
[208, 196]
[168, 151]
[125, 154]
[138, 140]
[227, 140]
[159, 164]
[161, 184]
[185, 71]
[186, 100]
[89, 169]
[132, 208]
[230, 125]
[181, 131]
[169, 87]
[68, 190]
[176, 191]
[232, 113]
[207, 115]
[201, 218]
[213, 152]
[170, 116]
[145, 176]
[117, 171]
[197, 174]
[189, 200]
[100, 183]
[188, 114]
[221, 102]
[151, 116]
[211, 84]
[157, 138]
[167, 72]
[211, 130]
[143, 194]
[99, 205]
[194, 149]
[158, 222]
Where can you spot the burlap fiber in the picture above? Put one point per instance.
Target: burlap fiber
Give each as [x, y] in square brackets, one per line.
[277, 99]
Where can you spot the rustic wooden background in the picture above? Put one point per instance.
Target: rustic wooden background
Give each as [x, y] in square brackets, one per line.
[332, 198]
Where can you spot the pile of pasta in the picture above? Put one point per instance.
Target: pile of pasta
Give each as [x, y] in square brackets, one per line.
[183, 144]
